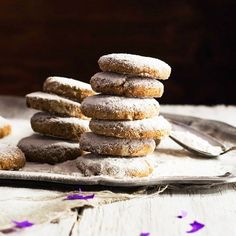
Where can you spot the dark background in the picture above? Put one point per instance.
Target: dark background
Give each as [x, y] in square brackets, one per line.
[41, 38]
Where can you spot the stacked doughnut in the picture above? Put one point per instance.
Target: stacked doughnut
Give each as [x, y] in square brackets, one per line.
[60, 122]
[125, 116]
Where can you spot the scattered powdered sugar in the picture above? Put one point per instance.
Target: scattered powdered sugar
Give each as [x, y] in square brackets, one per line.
[68, 82]
[197, 142]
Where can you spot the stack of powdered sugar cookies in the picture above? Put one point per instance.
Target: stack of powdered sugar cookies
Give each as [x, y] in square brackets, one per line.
[125, 116]
[60, 122]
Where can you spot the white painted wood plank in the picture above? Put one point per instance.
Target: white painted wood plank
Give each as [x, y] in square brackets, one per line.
[61, 228]
[158, 216]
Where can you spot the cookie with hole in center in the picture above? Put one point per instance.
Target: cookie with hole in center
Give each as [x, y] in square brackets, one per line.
[135, 65]
[54, 104]
[107, 107]
[67, 87]
[156, 128]
[127, 86]
[5, 127]
[11, 157]
[43, 149]
[120, 167]
[69, 128]
[103, 145]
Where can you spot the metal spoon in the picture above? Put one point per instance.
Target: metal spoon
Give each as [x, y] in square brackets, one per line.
[215, 147]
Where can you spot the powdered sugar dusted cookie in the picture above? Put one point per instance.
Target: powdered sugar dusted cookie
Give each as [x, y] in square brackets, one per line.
[11, 157]
[120, 167]
[5, 127]
[63, 127]
[106, 107]
[38, 148]
[68, 87]
[156, 128]
[54, 104]
[103, 145]
[135, 65]
[124, 85]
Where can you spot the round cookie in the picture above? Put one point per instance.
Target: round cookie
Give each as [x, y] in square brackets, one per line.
[135, 65]
[63, 127]
[54, 104]
[156, 128]
[103, 145]
[67, 87]
[38, 148]
[11, 157]
[106, 107]
[120, 167]
[5, 127]
[123, 85]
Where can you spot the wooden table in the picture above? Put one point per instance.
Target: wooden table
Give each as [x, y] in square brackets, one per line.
[215, 207]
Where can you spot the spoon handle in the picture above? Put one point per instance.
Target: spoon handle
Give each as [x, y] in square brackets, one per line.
[228, 150]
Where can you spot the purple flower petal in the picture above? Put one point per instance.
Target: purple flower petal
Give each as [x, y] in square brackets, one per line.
[22, 224]
[79, 197]
[182, 214]
[195, 227]
[144, 234]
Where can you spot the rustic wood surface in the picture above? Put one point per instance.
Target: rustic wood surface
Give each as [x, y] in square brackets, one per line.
[215, 207]
[157, 215]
